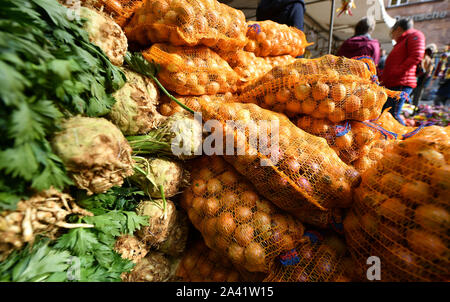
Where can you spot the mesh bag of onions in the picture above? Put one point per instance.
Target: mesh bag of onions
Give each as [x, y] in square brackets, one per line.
[387, 127]
[233, 219]
[401, 210]
[169, 107]
[321, 219]
[279, 60]
[120, 10]
[246, 64]
[317, 260]
[250, 67]
[329, 87]
[202, 264]
[352, 139]
[192, 70]
[268, 38]
[290, 167]
[188, 23]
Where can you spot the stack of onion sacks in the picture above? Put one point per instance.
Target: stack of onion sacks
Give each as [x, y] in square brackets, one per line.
[233, 219]
[401, 211]
[201, 264]
[316, 260]
[295, 171]
[188, 23]
[192, 70]
[335, 88]
[269, 38]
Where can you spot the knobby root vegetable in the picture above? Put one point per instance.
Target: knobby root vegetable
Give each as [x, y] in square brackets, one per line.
[180, 135]
[43, 214]
[135, 109]
[168, 227]
[155, 267]
[106, 34]
[152, 174]
[129, 247]
[96, 154]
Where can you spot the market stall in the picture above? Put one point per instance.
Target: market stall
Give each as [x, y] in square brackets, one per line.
[169, 140]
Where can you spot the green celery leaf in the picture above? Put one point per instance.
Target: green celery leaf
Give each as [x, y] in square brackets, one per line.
[135, 222]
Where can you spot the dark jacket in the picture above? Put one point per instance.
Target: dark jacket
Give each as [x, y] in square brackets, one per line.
[360, 46]
[289, 12]
[400, 66]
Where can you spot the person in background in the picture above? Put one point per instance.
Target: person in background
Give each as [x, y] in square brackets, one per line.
[424, 74]
[382, 60]
[399, 71]
[361, 44]
[443, 93]
[289, 12]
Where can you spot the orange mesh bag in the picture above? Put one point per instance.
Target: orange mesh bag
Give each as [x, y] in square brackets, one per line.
[192, 70]
[317, 260]
[279, 60]
[335, 88]
[268, 38]
[352, 139]
[371, 155]
[322, 219]
[374, 150]
[233, 219]
[168, 107]
[246, 64]
[188, 23]
[120, 10]
[201, 264]
[401, 210]
[299, 171]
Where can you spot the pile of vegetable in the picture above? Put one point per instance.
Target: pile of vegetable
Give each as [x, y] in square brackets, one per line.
[69, 210]
[105, 174]
[438, 115]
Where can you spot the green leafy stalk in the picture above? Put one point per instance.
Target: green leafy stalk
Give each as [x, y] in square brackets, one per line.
[50, 71]
[140, 65]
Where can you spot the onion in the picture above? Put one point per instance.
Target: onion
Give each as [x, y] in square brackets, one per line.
[243, 214]
[432, 218]
[255, 257]
[199, 187]
[214, 186]
[426, 244]
[249, 198]
[394, 210]
[235, 253]
[205, 174]
[225, 224]
[209, 229]
[244, 234]
[219, 275]
[211, 206]
[228, 199]
[198, 204]
[262, 222]
[320, 91]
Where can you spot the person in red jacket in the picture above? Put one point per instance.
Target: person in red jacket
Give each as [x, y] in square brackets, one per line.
[399, 71]
[361, 44]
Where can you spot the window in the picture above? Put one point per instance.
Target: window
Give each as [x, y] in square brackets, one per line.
[397, 2]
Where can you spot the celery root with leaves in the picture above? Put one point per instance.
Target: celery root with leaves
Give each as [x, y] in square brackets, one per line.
[49, 70]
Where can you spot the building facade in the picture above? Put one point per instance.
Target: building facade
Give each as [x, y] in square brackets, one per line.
[432, 17]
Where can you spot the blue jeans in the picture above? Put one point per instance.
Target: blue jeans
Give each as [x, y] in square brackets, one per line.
[396, 105]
